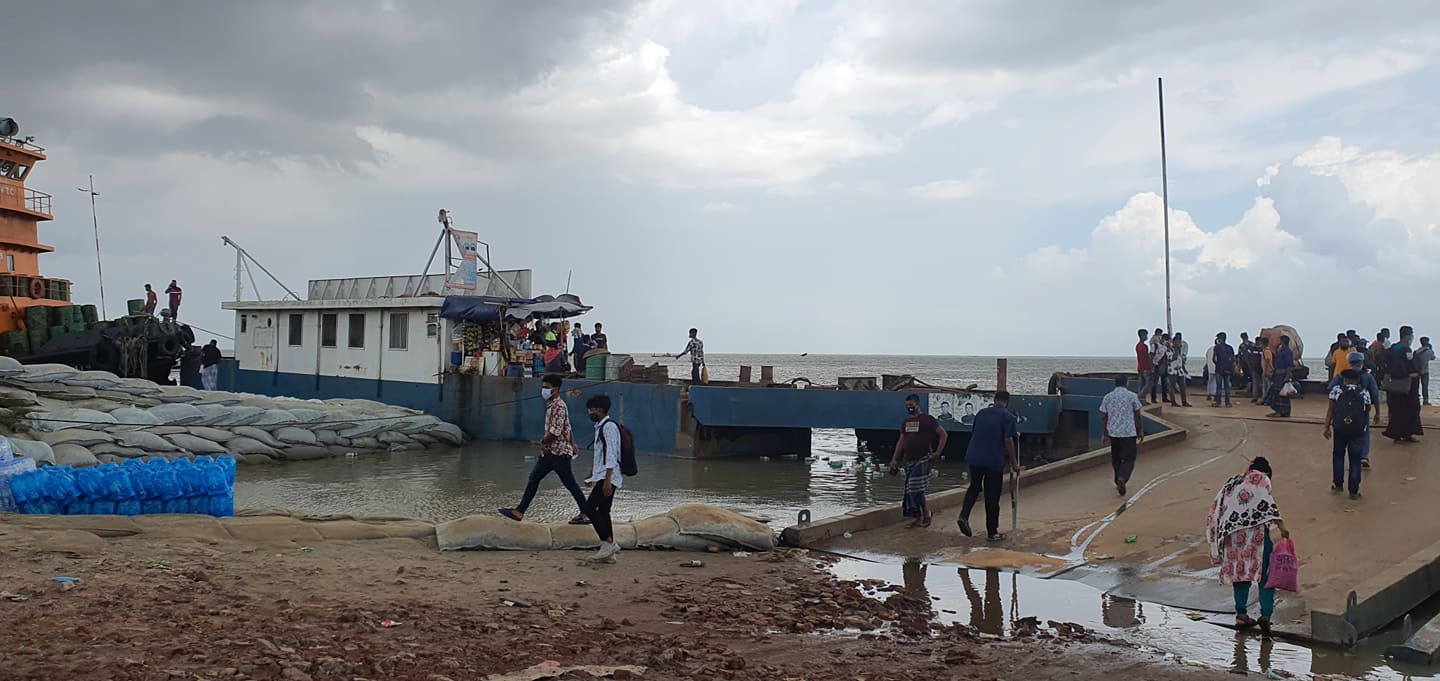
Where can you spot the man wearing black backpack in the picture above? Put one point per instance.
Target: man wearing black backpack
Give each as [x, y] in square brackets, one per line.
[1348, 420]
[605, 475]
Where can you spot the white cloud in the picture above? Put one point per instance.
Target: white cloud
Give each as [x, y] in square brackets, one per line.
[950, 190]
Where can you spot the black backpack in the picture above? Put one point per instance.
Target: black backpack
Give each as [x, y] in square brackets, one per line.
[1349, 417]
[628, 466]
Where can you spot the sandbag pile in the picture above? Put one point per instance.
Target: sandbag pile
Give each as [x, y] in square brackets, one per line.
[691, 527]
[80, 418]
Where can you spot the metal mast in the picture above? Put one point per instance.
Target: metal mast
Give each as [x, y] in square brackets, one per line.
[1165, 200]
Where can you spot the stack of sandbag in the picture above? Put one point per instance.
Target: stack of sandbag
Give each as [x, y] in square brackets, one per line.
[691, 527]
[80, 418]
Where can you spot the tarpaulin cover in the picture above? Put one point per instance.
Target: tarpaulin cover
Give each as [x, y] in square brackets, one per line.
[472, 309]
[562, 306]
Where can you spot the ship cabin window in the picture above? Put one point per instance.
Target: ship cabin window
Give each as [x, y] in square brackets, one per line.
[243, 325]
[9, 263]
[6, 167]
[328, 324]
[400, 331]
[357, 330]
[297, 329]
[13, 170]
[432, 325]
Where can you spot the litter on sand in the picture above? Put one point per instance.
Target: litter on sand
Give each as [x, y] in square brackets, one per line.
[1131, 539]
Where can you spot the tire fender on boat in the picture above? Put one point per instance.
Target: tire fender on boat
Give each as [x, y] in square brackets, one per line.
[37, 288]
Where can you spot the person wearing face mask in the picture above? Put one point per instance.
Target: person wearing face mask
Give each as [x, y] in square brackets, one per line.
[921, 442]
[557, 449]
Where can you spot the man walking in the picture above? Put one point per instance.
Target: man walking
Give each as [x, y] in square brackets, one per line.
[605, 476]
[696, 349]
[991, 451]
[1123, 426]
[921, 442]
[1423, 356]
[1339, 359]
[1356, 361]
[1347, 420]
[557, 449]
[210, 365]
[151, 300]
[1224, 369]
[1144, 369]
[174, 292]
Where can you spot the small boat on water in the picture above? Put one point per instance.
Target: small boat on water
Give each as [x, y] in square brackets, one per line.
[39, 322]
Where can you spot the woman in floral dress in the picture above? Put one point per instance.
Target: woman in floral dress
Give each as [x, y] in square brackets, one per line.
[1239, 534]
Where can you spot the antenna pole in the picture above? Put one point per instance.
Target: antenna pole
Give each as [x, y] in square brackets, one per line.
[95, 221]
[1165, 200]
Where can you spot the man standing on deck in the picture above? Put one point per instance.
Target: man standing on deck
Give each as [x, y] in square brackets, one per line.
[598, 340]
[1144, 369]
[1224, 369]
[921, 442]
[557, 449]
[1158, 377]
[582, 345]
[1249, 356]
[1267, 367]
[210, 364]
[992, 448]
[696, 349]
[173, 290]
[1125, 430]
[1423, 357]
[151, 300]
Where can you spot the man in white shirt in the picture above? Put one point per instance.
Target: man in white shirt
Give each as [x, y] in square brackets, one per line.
[1123, 426]
[604, 475]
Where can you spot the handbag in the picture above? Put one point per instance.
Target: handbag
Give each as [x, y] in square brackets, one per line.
[1397, 385]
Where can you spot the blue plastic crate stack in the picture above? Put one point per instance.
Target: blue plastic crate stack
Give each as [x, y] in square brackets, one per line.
[203, 486]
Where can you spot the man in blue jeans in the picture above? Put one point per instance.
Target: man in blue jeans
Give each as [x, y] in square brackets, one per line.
[1224, 369]
[991, 451]
[1347, 419]
[1368, 384]
[557, 449]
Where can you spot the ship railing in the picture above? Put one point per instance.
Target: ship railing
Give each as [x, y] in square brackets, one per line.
[37, 201]
[22, 143]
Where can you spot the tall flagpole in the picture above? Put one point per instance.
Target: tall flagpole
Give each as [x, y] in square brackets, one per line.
[1165, 201]
[94, 220]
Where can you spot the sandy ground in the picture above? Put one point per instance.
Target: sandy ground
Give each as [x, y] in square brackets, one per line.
[179, 601]
[1341, 543]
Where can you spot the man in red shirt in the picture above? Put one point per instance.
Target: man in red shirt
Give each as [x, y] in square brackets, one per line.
[922, 440]
[1143, 365]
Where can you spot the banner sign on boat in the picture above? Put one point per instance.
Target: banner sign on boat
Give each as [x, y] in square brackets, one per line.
[466, 275]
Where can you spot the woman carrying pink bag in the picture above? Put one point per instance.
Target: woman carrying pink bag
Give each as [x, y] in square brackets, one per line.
[1239, 532]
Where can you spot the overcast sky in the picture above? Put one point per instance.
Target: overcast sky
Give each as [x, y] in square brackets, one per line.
[824, 177]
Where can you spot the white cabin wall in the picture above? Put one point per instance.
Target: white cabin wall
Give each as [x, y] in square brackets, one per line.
[264, 345]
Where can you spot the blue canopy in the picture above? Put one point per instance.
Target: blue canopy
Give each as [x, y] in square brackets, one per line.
[477, 308]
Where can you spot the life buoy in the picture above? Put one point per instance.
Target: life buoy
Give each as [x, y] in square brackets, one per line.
[37, 288]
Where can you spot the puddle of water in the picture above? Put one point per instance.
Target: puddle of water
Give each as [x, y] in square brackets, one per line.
[993, 600]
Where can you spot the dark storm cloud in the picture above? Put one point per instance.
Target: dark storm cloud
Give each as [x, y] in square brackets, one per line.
[300, 75]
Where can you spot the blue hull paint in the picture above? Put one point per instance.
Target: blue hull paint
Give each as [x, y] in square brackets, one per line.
[500, 408]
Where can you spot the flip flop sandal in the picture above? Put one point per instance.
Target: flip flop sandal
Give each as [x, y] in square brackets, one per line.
[926, 522]
[1245, 622]
[912, 524]
[579, 520]
[511, 514]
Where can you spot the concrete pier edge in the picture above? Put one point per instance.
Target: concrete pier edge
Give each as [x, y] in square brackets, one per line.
[821, 530]
[1380, 600]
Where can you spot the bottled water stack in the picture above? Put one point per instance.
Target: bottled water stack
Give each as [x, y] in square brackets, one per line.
[203, 486]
